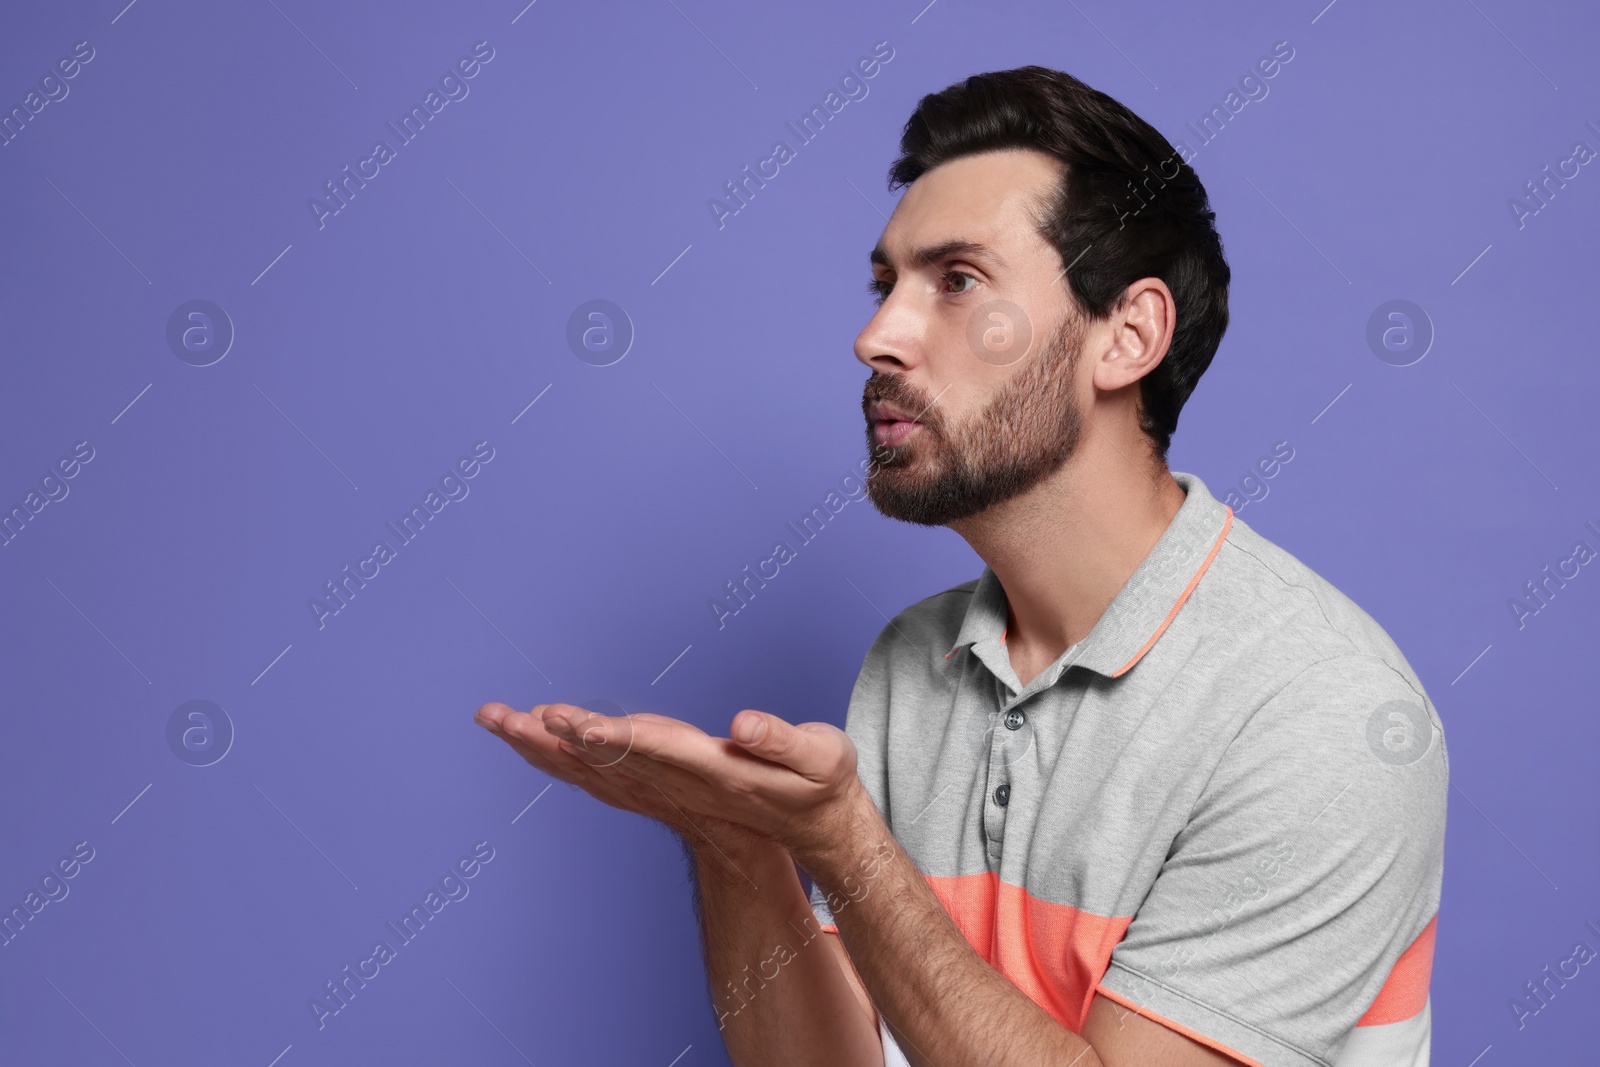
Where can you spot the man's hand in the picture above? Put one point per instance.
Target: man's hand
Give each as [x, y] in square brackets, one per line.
[795, 785]
[525, 732]
[776, 784]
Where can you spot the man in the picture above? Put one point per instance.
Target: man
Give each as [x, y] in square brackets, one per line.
[1148, 790]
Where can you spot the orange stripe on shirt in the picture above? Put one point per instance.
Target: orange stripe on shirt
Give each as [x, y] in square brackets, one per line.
[1405, 991]
[1054, 953]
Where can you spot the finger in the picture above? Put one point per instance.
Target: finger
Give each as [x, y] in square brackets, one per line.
[492, 714]
[610, 741]
[810, 749]
[582, 720]
[525, 733]
[497, 717]
[627, 793]
[600, 740]
[605, 740]
[507, 723]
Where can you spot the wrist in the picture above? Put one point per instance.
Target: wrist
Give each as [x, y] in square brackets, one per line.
[849, 839]
[716, 846]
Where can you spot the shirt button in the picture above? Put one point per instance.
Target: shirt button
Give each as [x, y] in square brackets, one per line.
[1002, 795]
[1015, 718]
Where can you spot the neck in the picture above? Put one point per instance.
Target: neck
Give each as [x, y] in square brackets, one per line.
[1064, 549]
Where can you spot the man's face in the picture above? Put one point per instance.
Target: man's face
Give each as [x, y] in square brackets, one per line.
[973, 349]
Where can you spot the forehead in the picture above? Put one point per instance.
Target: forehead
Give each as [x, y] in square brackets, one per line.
[991, 199]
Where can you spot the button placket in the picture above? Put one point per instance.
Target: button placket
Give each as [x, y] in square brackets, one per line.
[994, 809]
[1006, 747]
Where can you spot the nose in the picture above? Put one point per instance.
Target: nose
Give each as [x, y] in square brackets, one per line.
[890, 342]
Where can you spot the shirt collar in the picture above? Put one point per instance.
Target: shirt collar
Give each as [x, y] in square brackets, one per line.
[1141, 611]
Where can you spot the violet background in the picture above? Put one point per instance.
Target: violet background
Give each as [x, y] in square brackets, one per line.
[432, 309]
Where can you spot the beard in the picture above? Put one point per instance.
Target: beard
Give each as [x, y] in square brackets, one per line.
[946, 473]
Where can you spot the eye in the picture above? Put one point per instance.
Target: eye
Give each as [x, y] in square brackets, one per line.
[950, 276]
[879, 288]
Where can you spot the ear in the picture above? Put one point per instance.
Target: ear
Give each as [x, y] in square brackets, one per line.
[1141, 333]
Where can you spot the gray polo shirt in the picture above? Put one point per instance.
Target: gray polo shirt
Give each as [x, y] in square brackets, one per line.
[1223, 808]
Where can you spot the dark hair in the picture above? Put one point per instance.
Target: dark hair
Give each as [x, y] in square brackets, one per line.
[1127, 207]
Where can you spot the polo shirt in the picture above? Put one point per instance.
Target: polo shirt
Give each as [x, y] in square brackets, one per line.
[1223, 808]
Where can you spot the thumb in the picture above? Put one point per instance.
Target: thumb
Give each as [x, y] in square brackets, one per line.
[769, 737]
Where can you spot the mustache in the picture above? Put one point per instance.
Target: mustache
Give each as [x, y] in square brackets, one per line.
[883, 388]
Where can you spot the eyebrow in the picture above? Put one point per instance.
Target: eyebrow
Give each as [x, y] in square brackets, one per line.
[922, 257]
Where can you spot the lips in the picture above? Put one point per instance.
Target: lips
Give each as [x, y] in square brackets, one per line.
[894, 433]
[888, 413]
[890, 425]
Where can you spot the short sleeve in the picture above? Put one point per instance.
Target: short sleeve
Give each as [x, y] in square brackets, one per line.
[1310, 864]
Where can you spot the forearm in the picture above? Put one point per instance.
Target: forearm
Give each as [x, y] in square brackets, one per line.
[780, 995]
[943, 1002]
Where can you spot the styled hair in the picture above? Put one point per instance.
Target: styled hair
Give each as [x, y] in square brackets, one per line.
[1127, 207]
